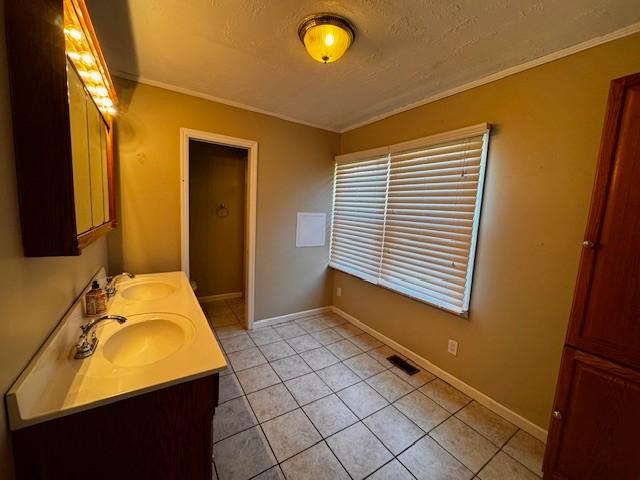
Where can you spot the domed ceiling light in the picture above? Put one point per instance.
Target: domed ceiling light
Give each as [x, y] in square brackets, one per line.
[326, 36]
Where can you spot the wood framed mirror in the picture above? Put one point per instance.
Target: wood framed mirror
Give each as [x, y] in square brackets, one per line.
[63, 104]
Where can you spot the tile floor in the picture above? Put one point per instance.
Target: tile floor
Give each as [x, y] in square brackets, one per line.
[315, 398]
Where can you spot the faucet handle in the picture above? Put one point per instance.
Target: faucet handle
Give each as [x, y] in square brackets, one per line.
[85, 347]
[110, 287]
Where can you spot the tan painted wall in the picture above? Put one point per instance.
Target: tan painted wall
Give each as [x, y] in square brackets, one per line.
[295, 165]
[216, 244]
[34, 292]
[542, 155]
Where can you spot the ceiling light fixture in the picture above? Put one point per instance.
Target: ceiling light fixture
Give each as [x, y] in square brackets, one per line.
[326, 36]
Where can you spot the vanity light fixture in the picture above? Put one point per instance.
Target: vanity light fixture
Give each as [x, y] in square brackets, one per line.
[326, 36]
[78, 47]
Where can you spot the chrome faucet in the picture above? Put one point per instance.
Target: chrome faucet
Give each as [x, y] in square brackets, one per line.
[110, 287]
[88, 341]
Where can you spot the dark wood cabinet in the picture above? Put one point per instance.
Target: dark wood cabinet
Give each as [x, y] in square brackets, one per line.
[62, 105]
[606, 310]
[595, 425]
[164, 434]
[595, 433]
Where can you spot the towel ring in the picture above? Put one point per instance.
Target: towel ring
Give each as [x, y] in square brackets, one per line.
[222, 211]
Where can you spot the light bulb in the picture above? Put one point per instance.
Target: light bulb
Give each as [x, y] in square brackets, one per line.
[101, 91]
[73, 33]
[328, 39]
[104, 102]
[75, 56]
[95, 76]
[112, 110]
[87, 59]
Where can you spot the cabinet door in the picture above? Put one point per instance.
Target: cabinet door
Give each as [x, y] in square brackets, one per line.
[605, 318]
[595, 428]
[94, 128]
[79, 150]
[105, 171]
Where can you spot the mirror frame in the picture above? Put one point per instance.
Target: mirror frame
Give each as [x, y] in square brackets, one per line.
[37, 56]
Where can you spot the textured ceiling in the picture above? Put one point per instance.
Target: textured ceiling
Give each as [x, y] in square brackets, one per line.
[248, 52]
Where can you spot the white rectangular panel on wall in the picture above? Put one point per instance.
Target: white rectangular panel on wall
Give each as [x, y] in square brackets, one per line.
[311, 229]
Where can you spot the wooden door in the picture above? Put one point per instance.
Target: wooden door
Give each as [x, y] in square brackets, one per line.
[595, 429]
[605, 317]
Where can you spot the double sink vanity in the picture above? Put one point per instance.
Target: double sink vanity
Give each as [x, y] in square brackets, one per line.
[141, 405]
[137, 400]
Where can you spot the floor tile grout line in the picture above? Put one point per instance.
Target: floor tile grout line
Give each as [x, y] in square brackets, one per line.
[405, 466]
[281, 381]
[426, 433]
[259, 425]
[213, 462]
[500, 447]
[359, 377]
[360, 420]
[447, 450]
[279, 358]
[487, 462]
[301, 407]
[290, 338]
[297, 376]
[319, 398]
[277, 465]
[385, 464]
[360, 380]
[303, 412]
[336, 455]
[414, 388]
[454, 415]
[323, 439]
[373, 433]
[442, 422]
[512, 457]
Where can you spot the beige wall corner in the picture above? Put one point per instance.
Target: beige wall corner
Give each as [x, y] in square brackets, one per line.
[295, 165]
[547, 124]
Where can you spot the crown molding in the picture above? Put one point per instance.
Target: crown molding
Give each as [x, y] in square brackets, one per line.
[565, 52]
[594, 42]
[212, 98]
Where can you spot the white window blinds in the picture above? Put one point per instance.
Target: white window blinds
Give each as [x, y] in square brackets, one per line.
[406, 217]
[358, 216]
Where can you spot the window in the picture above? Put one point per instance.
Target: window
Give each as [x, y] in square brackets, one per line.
[406, 217]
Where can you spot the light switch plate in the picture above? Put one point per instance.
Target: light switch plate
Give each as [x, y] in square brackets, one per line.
[452, 348]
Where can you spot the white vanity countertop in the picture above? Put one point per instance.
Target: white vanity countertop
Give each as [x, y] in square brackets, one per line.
[54, 384]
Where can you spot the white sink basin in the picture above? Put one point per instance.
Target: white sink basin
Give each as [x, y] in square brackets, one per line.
[164, 342]
[147, 339]
[146, 291]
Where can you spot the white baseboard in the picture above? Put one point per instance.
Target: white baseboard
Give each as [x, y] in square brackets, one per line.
[220, 296]
[493, 405]
[481, 398]
[290, 316]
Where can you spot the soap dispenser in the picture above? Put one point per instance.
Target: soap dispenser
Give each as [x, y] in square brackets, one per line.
[95, 300]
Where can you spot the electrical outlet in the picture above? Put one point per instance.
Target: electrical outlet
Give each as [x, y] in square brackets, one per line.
[339, 292]
[452, 348]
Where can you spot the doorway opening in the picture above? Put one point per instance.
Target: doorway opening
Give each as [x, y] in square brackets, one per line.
[218, 210]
